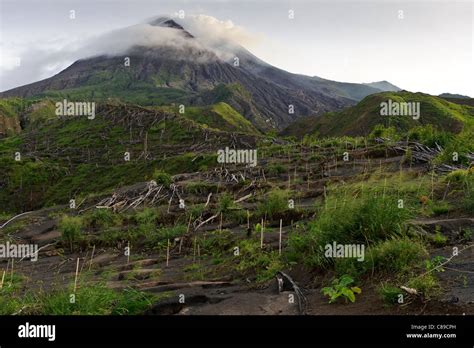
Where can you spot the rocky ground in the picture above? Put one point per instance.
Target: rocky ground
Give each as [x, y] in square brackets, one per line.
[209, 289]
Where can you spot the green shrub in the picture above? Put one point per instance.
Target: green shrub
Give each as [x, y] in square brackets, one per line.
[408, 156]
[430, 135]
[435, 264]
[196, 210]
[147, 220]
[351, 266]
[369, 218]
[226, 202]
[427, 284]
[162, 178]
[392, 256]
[275, 203]
[380, 131]
[277, 168]
[439, 239]
[70, 228]
[12, 300]
[439, 208]
[462, 144]
[111, 236]
[101, 218]
[171, 232]
[218, 243]
[463, 180]
[255, 261]
[195, 271]
[147, 216]
[397, 255]
[466, 234]
[390, 294]
[5, 216]
[458, 176]
[200, 188]
[238, 216]
[158, 238]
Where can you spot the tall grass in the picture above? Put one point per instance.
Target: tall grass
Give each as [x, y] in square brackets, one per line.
[275, 203]
[365, 219]
[392, 256]
[95, 299]
[71, 228]
[101, 218]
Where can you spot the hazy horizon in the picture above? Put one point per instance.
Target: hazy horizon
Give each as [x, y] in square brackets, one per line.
[426, 48]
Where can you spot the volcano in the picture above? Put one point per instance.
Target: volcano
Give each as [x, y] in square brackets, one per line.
[186, 70]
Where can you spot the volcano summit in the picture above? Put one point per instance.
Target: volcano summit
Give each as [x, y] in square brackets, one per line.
[161, 63]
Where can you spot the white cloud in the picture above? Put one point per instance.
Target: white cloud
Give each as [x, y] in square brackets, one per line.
[44, 59]
[217, 32]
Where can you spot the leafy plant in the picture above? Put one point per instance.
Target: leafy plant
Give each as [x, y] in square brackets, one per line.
[439, 208]
[253, 261]
[226, 202]
[277, 168]
[380, 131]
[341, 287]
[196, 210]
[390, 294]
[426, 284]
[167, 232]
[439, 239]
[430, 135]
[217, 243]
[162, 178]
[466, 234]
[435, 263]
[101, 218]
[147, 216]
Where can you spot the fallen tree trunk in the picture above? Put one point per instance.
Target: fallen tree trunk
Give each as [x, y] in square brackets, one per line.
[302, 301]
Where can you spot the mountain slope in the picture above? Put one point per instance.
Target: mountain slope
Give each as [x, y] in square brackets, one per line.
[220, 116]
[9, 117]
[363, 117]
[66, 155]
[453, 96]
[384, 86]
[193, 74]
[155, 80]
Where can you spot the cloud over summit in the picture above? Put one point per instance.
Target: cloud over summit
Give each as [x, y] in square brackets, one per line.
[214, 38]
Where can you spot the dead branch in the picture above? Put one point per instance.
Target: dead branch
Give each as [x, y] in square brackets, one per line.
[302, 301]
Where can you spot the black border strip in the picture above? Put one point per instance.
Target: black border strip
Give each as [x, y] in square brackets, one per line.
[135, 331]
